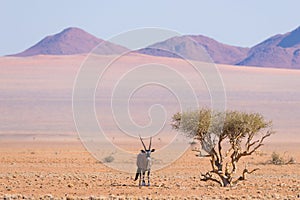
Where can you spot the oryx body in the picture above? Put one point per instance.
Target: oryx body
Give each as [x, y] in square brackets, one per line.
[143, 163]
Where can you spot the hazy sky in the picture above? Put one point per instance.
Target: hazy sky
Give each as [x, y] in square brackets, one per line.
[235, 22]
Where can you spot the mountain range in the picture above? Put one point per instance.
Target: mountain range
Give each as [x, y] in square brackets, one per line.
[279, 51]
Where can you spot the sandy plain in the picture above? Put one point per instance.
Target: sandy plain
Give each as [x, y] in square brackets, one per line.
[65, 170]
[42, 157]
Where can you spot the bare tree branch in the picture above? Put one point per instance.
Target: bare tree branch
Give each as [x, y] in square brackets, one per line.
[208, 177]
[243, 176]
[249, 145]
[247, 153]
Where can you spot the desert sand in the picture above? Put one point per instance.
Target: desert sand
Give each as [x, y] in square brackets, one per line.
[47, 170]
[42, 157]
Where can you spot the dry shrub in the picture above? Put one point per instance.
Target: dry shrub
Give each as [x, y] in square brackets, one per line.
[109, 159]
[276, 159]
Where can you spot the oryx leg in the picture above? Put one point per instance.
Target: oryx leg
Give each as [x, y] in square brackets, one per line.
[143, 181]
[138, 172]
[138, 175]
[140, 180]
[148, 178]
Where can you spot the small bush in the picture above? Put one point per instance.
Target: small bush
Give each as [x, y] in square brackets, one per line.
[109, 159]
[277, 159]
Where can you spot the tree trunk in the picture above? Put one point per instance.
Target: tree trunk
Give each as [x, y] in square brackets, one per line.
[225, 182]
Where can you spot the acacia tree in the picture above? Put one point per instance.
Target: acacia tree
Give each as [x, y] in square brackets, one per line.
[226, 137]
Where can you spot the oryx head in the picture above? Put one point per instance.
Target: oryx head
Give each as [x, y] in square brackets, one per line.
[145, 150]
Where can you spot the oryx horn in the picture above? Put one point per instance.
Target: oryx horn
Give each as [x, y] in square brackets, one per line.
[143, 144]
[150, 143]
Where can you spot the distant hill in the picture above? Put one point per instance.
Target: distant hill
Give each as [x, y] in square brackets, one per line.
[71, 41]
[189, 47]
[281, 51]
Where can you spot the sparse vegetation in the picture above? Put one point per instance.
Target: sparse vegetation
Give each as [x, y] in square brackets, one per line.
[109, 159]
[276, 159]
[243, 134]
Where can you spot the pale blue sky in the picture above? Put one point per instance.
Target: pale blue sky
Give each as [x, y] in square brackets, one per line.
[235, 22]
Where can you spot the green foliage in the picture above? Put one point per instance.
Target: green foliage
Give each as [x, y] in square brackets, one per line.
[233, 125]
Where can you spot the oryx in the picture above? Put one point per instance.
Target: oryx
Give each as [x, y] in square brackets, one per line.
[143, 163]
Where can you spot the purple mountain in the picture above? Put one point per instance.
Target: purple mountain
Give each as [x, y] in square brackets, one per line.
[281, 51]
[71, 41]
[191, 47]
